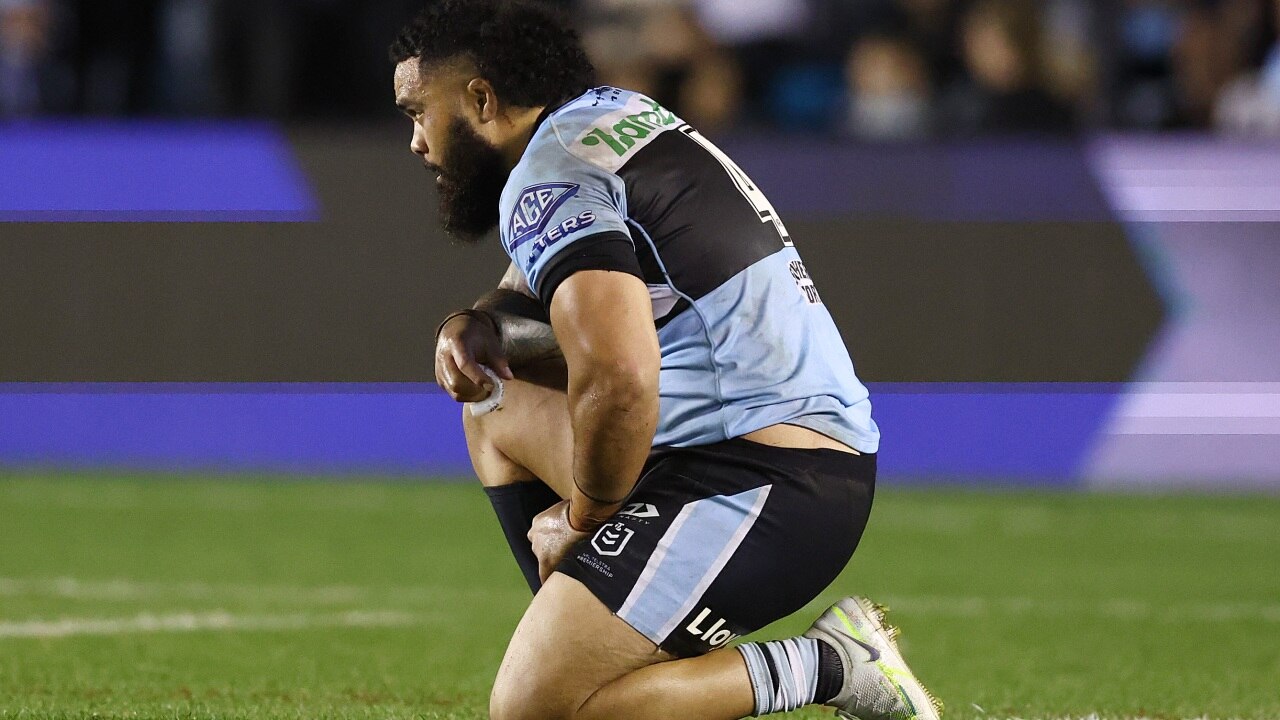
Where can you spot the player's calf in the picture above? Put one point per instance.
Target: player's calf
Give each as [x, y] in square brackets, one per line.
[566, 648]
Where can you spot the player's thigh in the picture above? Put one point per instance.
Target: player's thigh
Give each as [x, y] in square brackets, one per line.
[531, 431]
[568, 645]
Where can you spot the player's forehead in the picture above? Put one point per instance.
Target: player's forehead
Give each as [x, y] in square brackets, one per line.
[417, 83]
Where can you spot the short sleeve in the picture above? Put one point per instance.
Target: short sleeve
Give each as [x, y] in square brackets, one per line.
[558, 206]
[607, 250]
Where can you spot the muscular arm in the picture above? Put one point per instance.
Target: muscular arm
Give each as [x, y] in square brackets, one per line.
[522, 322]
[604, 323]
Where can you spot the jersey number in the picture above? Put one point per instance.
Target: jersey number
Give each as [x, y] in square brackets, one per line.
[748, 189]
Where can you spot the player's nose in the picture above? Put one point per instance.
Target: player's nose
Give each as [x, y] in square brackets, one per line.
[418, 145]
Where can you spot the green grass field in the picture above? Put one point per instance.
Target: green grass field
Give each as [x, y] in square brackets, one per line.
[195, 598]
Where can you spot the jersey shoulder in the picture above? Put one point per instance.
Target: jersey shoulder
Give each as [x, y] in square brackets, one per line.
[548, 179]
[606, 126]
[555, 196]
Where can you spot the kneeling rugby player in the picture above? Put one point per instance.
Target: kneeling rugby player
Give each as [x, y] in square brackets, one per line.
[683, 452]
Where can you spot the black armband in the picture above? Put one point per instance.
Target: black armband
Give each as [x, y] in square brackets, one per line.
[603, 251]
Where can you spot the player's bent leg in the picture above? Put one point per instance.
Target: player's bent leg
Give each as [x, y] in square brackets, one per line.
[572, 659]
[522, 454]
[529, 438]
[716, 541]
[714, 686]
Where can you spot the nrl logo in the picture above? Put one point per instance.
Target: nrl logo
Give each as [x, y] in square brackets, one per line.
[610, 540]
[534, 208]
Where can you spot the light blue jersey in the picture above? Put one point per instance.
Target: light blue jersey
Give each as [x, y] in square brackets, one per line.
[746, 341]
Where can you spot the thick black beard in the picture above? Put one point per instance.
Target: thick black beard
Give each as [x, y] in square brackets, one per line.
[471, 180]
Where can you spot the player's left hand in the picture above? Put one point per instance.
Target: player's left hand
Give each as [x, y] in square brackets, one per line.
[551, 536]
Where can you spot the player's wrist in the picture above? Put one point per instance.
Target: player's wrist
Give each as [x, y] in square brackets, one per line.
[476, 315]
[588, 511]
[585, 515]
[581, 525]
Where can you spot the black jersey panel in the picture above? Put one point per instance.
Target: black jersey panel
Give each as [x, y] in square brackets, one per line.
[704, 228]
[649, 267]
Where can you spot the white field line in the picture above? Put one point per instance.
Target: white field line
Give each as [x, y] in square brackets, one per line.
[123, 589]
[924, 605]
[190, 622]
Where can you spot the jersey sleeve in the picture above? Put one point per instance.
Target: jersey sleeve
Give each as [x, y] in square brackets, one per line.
[562, 214]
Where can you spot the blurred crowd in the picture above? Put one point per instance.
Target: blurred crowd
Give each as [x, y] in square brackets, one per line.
[868, 69]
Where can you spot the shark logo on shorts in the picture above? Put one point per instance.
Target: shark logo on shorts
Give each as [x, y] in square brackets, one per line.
[611, 539]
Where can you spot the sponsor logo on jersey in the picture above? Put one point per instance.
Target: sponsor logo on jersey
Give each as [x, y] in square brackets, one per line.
[606, 93]
[534, 209]
[714, 634]
[800, 274]
[611, 539]
[640, 510]
[584, 219]
[638, 126]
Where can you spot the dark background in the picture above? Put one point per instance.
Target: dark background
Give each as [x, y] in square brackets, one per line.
[356, 296]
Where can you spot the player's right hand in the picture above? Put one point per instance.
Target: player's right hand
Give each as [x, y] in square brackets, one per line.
[464, 344]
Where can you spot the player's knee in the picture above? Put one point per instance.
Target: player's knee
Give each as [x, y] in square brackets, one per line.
[526, 701]
[491, 464]
[486, 428]
[472, 426]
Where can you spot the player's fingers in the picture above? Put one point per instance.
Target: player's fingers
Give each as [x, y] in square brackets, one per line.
[471, 369]
[447, 376]
[491, 354]
[463, 387]
[545, 569]
[441, 379]
[538, 543]
[498, 363]
[459, 386]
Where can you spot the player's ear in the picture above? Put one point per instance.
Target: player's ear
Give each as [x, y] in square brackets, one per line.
[482, 100]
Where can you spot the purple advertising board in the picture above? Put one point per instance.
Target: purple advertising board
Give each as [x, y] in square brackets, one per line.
[1201, 408]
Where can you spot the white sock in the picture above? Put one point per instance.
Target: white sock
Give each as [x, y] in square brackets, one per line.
[784, 673]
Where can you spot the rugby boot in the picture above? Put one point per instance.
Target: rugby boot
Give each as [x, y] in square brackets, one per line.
[878, 685]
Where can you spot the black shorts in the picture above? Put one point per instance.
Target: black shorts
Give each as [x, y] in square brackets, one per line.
[720, 540]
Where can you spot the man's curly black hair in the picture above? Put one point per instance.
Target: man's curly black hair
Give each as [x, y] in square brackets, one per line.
[524, 48]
